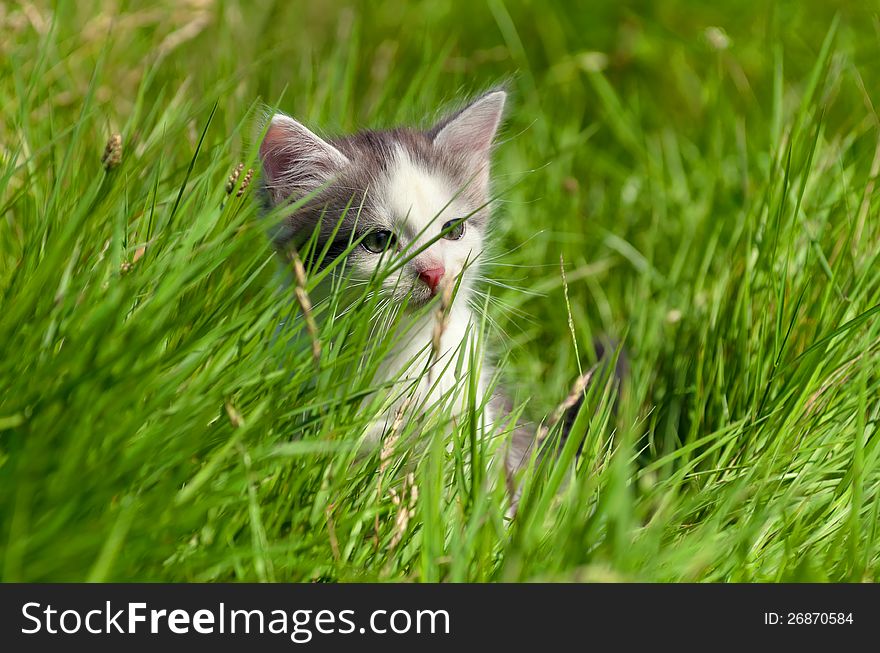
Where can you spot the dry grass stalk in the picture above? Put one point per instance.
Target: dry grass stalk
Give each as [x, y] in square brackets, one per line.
[112, 156]
[305, 304]
[331, 532]
[577, 391]
[441, 322]
[406, 502]
[235, 417]
[388, 447]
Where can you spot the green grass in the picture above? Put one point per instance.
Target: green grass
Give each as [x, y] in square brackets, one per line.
[713, 201]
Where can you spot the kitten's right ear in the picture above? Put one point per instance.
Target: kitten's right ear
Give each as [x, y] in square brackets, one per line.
[468, 134]
[295, 160]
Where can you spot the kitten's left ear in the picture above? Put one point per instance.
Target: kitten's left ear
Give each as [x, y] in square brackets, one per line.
[470, 132]
[296, 161]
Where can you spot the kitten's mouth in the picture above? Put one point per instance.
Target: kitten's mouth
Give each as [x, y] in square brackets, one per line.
[419, 298]
[420, 294]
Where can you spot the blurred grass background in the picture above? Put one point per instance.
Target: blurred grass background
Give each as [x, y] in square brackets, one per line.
[706, 171]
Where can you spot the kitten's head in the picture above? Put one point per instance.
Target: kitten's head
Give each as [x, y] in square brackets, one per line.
[417, 200]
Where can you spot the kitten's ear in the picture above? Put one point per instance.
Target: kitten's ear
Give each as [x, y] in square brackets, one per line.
[295, 160]
[470, 132]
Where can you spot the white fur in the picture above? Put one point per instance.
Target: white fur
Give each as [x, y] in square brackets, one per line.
[416, 205]
[419, 204]
[429, 384]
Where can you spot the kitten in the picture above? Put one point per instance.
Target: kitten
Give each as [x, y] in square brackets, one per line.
[420, 198]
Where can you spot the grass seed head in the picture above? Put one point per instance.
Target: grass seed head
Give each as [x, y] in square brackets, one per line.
[245, 182]
[112, 156]
[233, 178]
[577, 390]
[441, 317]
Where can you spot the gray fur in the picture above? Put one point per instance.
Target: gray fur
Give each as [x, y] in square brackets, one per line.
[348, 192]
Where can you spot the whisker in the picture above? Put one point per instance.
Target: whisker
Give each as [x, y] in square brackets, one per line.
[527, 266]
[506, 308]
[499, 255]
[517, 289]
[490, 321]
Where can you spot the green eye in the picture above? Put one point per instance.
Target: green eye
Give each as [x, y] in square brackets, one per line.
[378, 241]
[453, 230]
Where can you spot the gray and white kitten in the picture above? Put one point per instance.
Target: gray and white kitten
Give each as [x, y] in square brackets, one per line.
[421, 197]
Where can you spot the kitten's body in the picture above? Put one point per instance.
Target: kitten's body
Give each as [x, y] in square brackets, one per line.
[412, 190]
[445, 385]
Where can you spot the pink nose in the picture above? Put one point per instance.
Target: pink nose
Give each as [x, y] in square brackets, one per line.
[432, 277]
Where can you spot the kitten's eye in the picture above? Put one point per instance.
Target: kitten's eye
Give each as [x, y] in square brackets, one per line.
[453, 230]
[378, 241]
